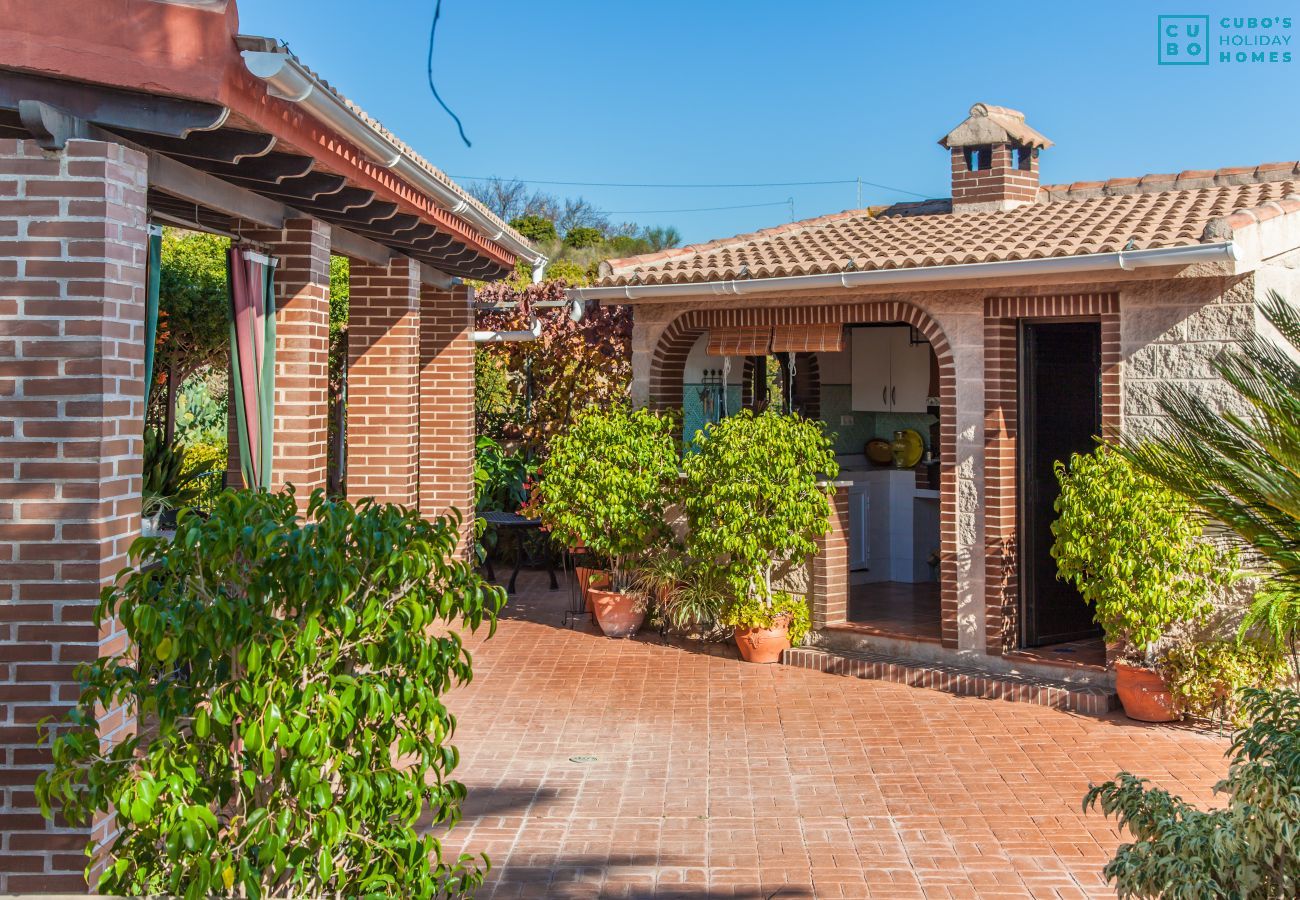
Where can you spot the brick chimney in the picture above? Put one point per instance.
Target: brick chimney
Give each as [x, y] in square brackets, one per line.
[994, 160]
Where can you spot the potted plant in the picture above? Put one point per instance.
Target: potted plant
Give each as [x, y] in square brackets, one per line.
[607, 484]
[755, 500]
[1136, 551]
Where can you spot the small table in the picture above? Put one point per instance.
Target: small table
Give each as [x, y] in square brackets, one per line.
[505, 521]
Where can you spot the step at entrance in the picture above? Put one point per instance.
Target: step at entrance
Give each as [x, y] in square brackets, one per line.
[1089, 700]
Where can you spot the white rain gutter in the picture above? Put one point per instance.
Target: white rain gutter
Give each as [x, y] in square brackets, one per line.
[534, 331]
[287, 79]
[1126, 260]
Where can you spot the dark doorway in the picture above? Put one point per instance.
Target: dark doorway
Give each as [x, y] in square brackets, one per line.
[1060, 413]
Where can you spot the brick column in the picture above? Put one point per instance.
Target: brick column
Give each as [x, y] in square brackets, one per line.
[72, 261]
[447, 404]
[830, 567]
[383, 416]
[302, 294]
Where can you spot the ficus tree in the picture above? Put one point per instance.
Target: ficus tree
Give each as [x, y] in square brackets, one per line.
[289, 674]
[608, 482]
[755, 496]
[1135, 550]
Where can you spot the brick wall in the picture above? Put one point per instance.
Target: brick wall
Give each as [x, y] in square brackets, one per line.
[830, 567]
[1001, 392]
[447, 405]
[72, 257]
[1001, 186]
[302, 291]
[383, 415]
[668, 360]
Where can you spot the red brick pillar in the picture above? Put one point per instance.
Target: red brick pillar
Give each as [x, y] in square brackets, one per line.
[447, 404]
[830, 567]
[302, 296]
[383, 417]
[72, 274]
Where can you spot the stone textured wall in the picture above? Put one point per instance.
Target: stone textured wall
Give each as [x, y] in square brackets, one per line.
[1171, 332]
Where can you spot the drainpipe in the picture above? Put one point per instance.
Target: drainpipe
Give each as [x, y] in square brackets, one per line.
[288, 79]
[1127, 260]
[533, 332]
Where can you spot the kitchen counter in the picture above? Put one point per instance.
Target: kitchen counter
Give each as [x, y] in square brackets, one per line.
[893, 524]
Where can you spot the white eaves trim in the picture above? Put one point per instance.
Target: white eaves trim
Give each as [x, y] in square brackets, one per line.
[1126, 260]
[287, 79]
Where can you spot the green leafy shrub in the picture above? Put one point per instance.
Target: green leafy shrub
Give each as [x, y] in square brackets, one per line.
[291, 672]
[753, 501]
[501, 476]
[568, 272]
[200, 416]
[752, 496]
[205, 468]
[583, 236]
[607, 485]
[755, 612]
[1135, 550]
[1245, 850]
[534, 227]
[1240, 469]
[172, 481]
[1206, 677]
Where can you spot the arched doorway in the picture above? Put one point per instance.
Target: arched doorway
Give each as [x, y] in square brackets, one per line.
[830, 588]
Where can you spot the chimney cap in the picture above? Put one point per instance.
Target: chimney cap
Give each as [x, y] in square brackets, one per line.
[989, 124]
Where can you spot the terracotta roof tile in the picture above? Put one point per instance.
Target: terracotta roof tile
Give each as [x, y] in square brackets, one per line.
[858, 240]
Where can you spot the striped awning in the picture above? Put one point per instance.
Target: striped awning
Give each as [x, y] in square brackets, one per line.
[819, 338]
[746, 340]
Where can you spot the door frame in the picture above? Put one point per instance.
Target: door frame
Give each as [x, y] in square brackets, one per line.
[1025, 573]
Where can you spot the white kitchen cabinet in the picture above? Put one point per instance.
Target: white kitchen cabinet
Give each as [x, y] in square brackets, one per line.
[859, 539]
[890, 374]
[909, 366]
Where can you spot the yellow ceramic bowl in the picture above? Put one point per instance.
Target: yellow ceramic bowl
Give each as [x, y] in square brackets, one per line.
[879, 452]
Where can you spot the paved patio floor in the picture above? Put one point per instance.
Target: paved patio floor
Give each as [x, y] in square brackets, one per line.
[709, 777]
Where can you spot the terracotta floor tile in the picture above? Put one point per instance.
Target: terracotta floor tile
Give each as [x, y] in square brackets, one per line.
[714, 778]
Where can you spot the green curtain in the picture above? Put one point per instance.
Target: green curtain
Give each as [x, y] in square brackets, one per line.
[252, 360]
[153, 280]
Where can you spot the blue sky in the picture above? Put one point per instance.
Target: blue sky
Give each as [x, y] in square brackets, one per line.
[725, 92]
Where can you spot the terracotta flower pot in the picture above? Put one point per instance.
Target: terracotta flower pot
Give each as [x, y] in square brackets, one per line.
[587, 579]
[764, 645]
[617, 614]
[1144, 694]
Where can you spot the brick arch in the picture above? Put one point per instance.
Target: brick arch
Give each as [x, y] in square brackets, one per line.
[674, 345]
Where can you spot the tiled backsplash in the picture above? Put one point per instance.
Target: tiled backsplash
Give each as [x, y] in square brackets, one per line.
[835, 404]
